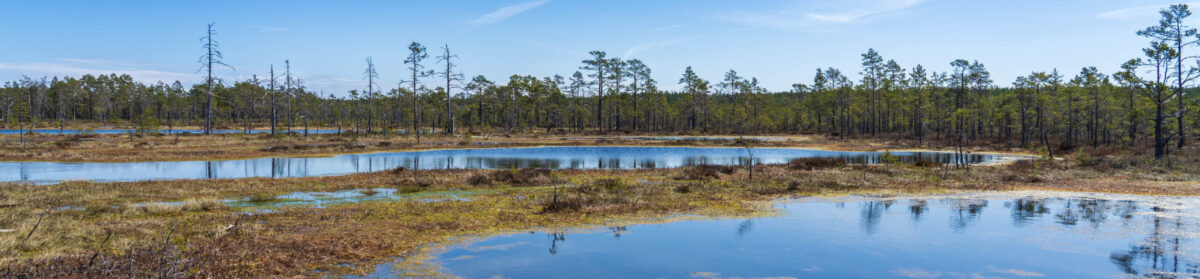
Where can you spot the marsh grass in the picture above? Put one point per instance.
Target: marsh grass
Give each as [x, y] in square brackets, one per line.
[262, 198]
[202, 205]
[212, 241]
[816, 163]
[706, 172]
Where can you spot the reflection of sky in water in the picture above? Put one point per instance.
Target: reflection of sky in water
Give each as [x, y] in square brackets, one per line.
[323, 199]
[498, 158]
[726, 138]
[1006, 236]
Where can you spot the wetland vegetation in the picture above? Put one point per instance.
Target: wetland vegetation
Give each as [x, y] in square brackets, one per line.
[913, 172]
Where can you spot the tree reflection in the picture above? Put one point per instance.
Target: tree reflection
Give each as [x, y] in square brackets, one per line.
[745, 227]
[917, 208]
[617, 231]
[1026, 210]
[872, 212]
[1160, 249]
[966, 212]
[555, 238]
[1094, 211]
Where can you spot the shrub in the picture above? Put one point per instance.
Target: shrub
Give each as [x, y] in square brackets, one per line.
[612, 185]
[67, 142]
[561, 203]
[147, 123]
[202, 205]
[925, 162]
[259, 198]
[794, 186]
[524, 176]
[276, 148]
[874, 169]
[1022, 178]
[466, 139]
[1084, 159]
[1022, 165]
[407, 190]
[888, 158]
[706, 172]
[815, 163]
[479, 179]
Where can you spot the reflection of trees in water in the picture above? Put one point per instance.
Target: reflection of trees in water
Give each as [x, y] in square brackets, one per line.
[1094, 211]
[617, 231]
[745, 227]
[966, 212]
[1026, 210]
[916, 208]
[872, 213]
[1163, 253]
[1160, 250]
[555, 238]
[550, 157]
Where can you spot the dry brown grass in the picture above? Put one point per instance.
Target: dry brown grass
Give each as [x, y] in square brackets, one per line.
[706, 172]
[815, 163]
[202, 238]
[297, 241]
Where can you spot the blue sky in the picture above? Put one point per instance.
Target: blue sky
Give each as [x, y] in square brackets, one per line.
[779, 42]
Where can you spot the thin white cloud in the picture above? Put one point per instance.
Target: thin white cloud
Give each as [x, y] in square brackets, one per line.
[665, 28]
[60, 69]
[886, 6]
[507, 12]
[1136, 12]
[794, 19]
[643, 47]
[107, 63]
[336, 85]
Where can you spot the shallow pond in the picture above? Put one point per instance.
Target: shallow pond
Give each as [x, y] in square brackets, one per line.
[323, 199]
[727, 138]
[683, 138]
[998, 235]
[490, 158]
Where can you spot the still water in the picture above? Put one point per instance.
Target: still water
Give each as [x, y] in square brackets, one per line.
[727, 138]
[323, 199]
[997, 235]
[494, 158]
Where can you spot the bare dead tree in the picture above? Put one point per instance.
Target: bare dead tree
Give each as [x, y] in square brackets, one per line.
[212, 57]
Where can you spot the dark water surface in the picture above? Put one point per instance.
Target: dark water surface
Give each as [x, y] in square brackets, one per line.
[494, 158]
[999, 235]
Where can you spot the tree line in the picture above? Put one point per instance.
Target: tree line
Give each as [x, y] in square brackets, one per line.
[1150, 99]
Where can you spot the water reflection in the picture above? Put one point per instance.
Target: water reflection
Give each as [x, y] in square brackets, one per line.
[965, 212]
[1058, 235]
[496, 158]
[917, 207]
